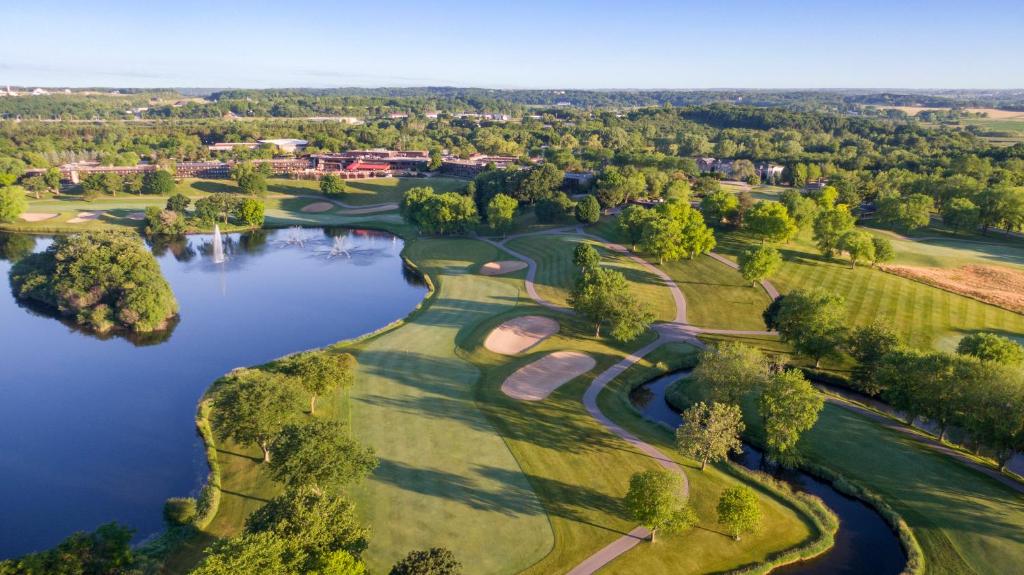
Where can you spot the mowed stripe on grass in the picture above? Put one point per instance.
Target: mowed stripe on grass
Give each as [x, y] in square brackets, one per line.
[556, 273]
[446, 477]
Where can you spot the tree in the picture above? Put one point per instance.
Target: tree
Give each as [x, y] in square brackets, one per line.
[739, 511]
[588, 210]
[332, 185]
[868, 345]
[313, 526]
[743, 170]
[770, 221]
[760, 263]
[710, 432]
[678, 189]
[603, 296]
[180, 510]
[251, 211]
[10, 170]
[434, 561]
[132, 183]
[92, 186]
[436, 159]
[611, 187]
[812, 321]
[654, 499]
[789, 406]
[801, 209]
[663, 239]
[111, 183]
[632, 221]
[449, 213]
[252, 183]
[253, 406]
[825, 197]
[178, 203]
[35, 184]
[500, 211]
[858, 245]
[829, 227]
[585, 257]
[961, 214]
[321, 372]
[553, 209]
[731, 370]
[540, 182]
[157, 183]
[13, 203]
[246, 553]
[697, 237]
[719, 206]
[105, 551]
[52, 178]
[320, 455]
[991, 347]
[910, 212]
[883, 251]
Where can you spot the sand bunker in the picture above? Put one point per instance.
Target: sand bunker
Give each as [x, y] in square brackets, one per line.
[318, 207]
[85, 217]
[137, 216]
[537, 380]
[1002, 287]
[37, 216]
[520, 334]
[501, 267]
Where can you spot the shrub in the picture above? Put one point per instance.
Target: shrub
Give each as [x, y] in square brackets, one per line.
[180, 510]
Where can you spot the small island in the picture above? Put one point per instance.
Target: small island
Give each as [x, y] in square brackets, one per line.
[106, 281]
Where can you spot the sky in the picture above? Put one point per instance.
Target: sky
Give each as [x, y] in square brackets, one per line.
[552, 44]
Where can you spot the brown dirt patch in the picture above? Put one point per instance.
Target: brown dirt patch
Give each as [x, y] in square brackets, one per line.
[37, 216]
[501, 267]
[83, 217]
[318, 207]
[1002, 287]
[520, 334]
[536, 381]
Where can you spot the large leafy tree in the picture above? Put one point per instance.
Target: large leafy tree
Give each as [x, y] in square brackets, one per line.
[739, 511]
[159, 183]
[800, 208]
[585, 257]
[760, 263]
[540, 182]
[500, 211]
[770, 221]
[710, 432]
[858, 245]
[829, 227]
[253, 406]
[812, 321]
[961, 214]
[433, 561]
[632, 221]
[588, 210]
[868, 345]
[655, 500]
[991, 347]
[319, 454]
[789, 406]
[603, 296]
[719, 206]
[663, 238]
[13, 203]
[731, 370]
[321, 372]
[332, 185]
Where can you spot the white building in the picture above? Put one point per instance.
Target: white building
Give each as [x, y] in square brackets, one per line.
[287, 144]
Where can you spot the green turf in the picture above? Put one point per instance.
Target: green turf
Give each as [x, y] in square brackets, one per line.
[924, 315]
[936, 247]
[556, 273]
[369, 191]
[966, 522]
[717, 296]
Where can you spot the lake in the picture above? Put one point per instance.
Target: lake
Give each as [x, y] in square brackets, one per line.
[98, 429]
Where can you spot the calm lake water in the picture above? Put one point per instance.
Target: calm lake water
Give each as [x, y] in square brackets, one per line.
[101, 429]
[865, 544]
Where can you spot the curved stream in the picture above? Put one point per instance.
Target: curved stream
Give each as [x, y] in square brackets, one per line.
[865, 544]
[98, 429]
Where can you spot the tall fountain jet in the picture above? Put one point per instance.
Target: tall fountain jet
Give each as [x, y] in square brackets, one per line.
[218, 245]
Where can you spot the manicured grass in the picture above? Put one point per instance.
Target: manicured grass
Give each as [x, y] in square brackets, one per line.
[556, 273]
[369, 191]
[965, 521]
[936, 247]
[717, 296]
[924, 315]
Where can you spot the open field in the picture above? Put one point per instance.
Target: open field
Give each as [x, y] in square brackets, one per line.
[759, 192]
[937, 247]
[993, 113]
[556, 273]
[926, 316]
[1002, 287]
[965, 521]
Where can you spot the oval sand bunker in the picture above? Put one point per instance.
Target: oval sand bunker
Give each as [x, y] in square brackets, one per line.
[318, 207]
[520, 334]
[501, 267]
[37, 216]
[536, 381]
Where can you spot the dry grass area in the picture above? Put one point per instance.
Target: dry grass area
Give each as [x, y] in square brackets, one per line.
[992, 113]
[1002, 287]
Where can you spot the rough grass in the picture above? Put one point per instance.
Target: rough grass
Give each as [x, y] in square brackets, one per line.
[926, 316]
[965, 521]
[1002, 287]
[556, 273]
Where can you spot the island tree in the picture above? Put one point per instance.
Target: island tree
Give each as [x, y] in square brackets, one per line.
[603, 296]
[253, 406]
[789, 406]
[739, 511]
[655, 500]
[710, 432]
[320, 455]
[251, 212]
[321, 372]
[760, 263]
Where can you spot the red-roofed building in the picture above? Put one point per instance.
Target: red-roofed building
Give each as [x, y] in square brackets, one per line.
[359, 166]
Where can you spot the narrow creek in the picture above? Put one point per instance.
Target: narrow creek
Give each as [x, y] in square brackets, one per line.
[865, 544]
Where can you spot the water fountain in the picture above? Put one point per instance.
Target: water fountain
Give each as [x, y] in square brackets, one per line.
[218, 245]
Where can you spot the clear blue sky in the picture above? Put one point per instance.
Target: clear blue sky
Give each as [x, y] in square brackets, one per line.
[524, 44]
